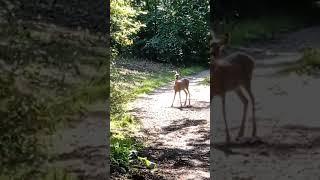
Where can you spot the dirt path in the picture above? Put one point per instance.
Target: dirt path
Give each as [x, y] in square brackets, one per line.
[177, 138]
[287, 117]
[81, 148]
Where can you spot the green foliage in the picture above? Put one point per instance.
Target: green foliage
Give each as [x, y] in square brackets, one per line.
[309, 64]
[124, 149]
[122, 143]
[206, 81]
[24, 117]
[262, 28]
[147, 163]
[117, 98]
[176, 31]
[124, 23]
[120, 151]
[191, 70]
[89, 92]
[121, 123]
[311, 57]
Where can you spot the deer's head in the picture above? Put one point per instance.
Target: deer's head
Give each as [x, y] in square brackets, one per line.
[218, 45]
[176, 75]
[216, 48]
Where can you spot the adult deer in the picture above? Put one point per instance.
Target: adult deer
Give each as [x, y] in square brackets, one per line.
[179, 85]
[231, 73]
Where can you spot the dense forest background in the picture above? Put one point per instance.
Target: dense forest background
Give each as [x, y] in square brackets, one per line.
[163, 31]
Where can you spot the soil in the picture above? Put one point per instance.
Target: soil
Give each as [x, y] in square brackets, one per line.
[81, 147]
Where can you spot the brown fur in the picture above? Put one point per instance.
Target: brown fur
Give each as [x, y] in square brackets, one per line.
[231, 73]
[179, 85]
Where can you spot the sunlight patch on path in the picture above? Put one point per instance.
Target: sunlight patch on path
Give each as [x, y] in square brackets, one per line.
[185, 130]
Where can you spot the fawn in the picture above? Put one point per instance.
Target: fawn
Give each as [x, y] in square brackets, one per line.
[179, 85]
[231, 73]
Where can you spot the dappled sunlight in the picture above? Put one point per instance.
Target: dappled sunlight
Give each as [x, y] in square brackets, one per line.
[184, 130]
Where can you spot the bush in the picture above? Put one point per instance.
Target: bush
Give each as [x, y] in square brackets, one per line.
[24, 117]
[311, 57]
[175, 32]
[262, 28]
[310, 62]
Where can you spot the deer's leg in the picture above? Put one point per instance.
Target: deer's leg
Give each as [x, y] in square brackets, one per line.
[180, 98]
[244, 101]
[254, 125]
[189, 95]
[175, 92]
[185, 102]
[224, 117]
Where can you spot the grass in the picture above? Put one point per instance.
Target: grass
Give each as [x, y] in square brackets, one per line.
[122, 143]
[309, 63]
[205, 81]
[89, 93]
[262, 28]
[311, 57]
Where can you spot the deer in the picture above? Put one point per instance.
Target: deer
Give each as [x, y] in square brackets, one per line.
[179, 85]
[231, 73]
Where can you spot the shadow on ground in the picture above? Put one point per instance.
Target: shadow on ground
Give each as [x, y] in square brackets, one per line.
[182, 123]
[297, 138]
[176, 158]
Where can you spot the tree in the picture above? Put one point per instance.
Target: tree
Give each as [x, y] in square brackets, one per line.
[124, 23]
[176, 31]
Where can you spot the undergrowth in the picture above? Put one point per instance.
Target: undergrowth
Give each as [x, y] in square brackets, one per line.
[206, 81]
[309, 64]
[262, 28]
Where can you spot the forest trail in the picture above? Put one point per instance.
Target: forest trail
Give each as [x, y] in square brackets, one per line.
[177, 138]
[287, 118]
[81, 147]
